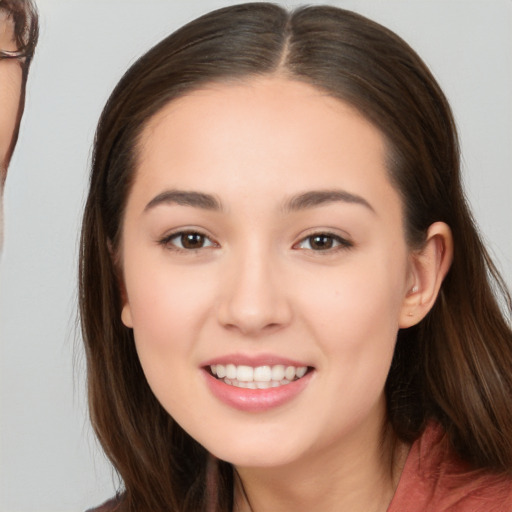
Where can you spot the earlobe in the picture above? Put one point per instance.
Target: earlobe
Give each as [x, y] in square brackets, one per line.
[126, 315]
[429, 266]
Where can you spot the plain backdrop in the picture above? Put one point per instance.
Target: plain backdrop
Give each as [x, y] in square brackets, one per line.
[49, 460]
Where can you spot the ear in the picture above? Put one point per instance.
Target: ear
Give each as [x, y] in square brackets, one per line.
[429, 266]
[126, 314]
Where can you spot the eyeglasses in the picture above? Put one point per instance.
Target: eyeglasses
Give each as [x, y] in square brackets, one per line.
[15, 54]
[23, 17]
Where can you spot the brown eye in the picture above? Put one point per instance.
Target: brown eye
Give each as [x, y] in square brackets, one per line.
[187, 240]
[323, 242]
[192, 240]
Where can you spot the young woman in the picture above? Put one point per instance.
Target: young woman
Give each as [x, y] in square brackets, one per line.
[285, 303]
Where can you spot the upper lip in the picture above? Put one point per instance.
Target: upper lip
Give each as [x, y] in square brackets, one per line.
[254, 360]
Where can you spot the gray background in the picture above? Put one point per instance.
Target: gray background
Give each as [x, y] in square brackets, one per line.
[49, 458]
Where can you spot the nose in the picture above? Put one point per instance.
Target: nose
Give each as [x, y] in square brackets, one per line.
[255, 299]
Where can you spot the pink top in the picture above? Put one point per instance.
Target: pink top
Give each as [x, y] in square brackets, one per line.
[434, 479]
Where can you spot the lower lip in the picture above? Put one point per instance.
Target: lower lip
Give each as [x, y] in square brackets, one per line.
[256, 400]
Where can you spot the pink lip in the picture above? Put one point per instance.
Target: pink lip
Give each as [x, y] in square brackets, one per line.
[255, 400]
[253, 360]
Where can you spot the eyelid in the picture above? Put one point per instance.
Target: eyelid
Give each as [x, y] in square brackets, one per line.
[167, 240]
[341, 242]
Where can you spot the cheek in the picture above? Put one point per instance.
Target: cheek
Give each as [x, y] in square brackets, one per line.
[363, 296]
[354, 313]
[168, 306]
[165, 308]
[10, 90]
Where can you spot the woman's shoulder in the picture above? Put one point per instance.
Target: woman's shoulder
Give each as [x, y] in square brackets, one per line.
[112, 505]
[435, 479]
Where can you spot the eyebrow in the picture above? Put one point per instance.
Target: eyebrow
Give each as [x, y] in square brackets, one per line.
[303, 201]
[185, 198]
[315, 198]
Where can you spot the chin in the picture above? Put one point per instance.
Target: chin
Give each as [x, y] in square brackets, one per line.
[256, 460]
[245, 454]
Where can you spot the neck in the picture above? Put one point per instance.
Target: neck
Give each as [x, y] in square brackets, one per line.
[355, 478]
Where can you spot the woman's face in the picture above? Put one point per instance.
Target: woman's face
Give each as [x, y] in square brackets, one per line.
[263, 247]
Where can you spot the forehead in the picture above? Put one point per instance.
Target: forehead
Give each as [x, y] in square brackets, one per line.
[260, 135]
[287, 116]
[7, 34]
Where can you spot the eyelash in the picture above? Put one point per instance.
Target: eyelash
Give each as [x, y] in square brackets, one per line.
[334, 242]
[170, 241]
[337, 242]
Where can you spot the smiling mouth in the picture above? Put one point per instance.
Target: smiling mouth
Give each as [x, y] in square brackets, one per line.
[258, 377]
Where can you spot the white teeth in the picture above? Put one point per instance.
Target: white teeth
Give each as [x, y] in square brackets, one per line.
[263, 374]
[301, 371]
[260, 377]
[245, 373]
[290, 373]
[231, 371]
[278, 372]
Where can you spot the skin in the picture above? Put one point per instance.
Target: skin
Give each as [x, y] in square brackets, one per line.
[10, 92]
[258, 287]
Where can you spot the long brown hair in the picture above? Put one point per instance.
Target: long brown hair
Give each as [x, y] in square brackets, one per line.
[454, 367]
